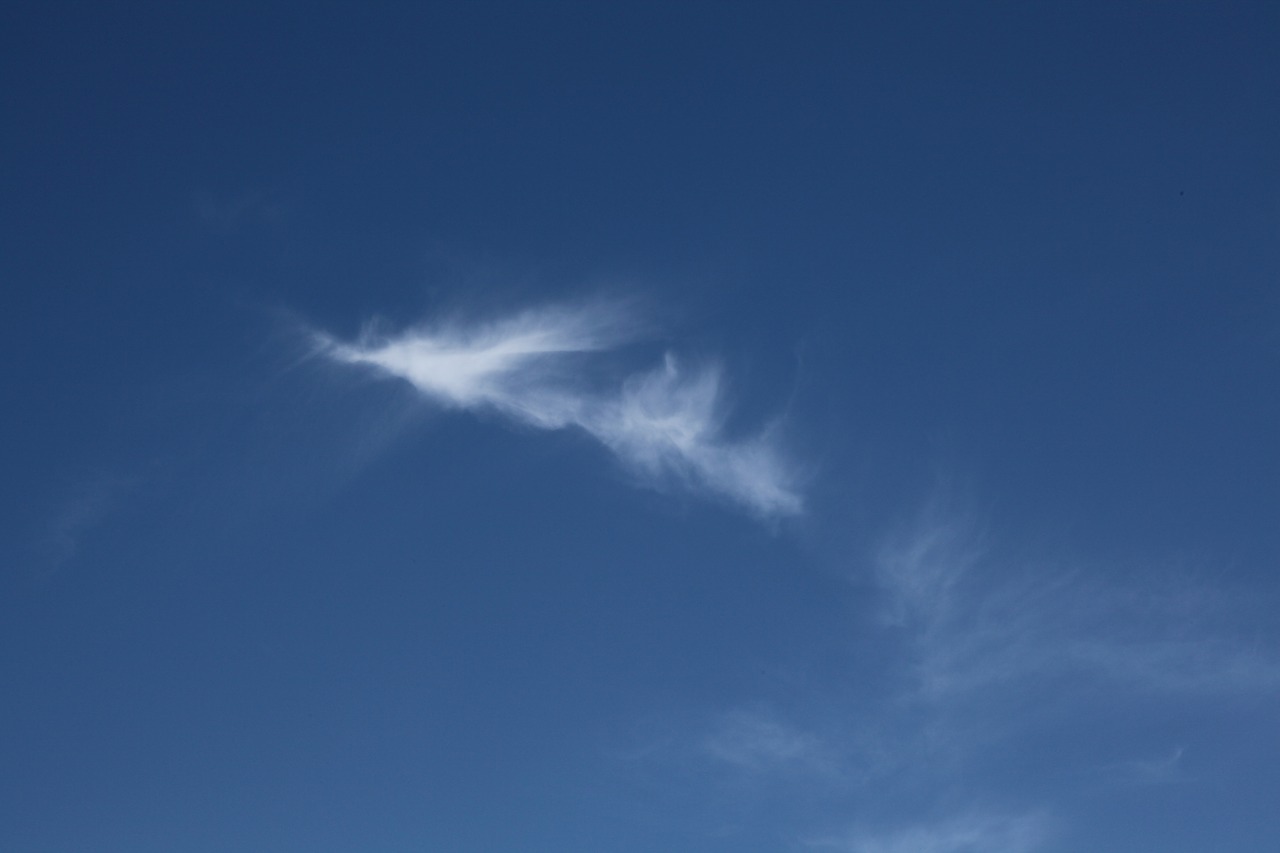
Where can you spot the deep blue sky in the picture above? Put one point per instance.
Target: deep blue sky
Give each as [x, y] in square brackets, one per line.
[640, 427]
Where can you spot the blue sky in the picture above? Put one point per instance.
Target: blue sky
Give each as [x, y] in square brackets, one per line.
[640, 427]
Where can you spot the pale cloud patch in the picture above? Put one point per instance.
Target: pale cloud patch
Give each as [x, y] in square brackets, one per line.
[753, 740]
[87, 507]
[976, 650]
[972, 833]
[229, 212]
[1160, 770]
[540, 368]
[972, 624]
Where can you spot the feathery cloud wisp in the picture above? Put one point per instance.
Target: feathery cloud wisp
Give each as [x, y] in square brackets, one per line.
[972, 630]
[752, 740]
[666, 425]
[979, 650]
[969, 833]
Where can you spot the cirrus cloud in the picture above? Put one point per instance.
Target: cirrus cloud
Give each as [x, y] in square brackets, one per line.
[666, 425]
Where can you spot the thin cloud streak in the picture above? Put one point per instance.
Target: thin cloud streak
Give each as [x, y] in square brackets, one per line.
[1147, 771]
[979, 650]
[91, 503]
[753, 741]
[973, 833]
[973, 628]
[665, 425]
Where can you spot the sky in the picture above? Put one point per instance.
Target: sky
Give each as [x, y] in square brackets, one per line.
[640, 427]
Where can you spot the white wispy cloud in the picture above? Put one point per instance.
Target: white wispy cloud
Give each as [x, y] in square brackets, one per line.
[974, 624]
[667, 425]
[754, 740]
[976, 649]
[970, 833]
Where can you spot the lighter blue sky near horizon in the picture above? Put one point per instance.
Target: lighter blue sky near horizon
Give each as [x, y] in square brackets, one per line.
[640, 427]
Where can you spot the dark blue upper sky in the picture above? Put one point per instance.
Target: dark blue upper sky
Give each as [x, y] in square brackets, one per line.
[582, 427]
